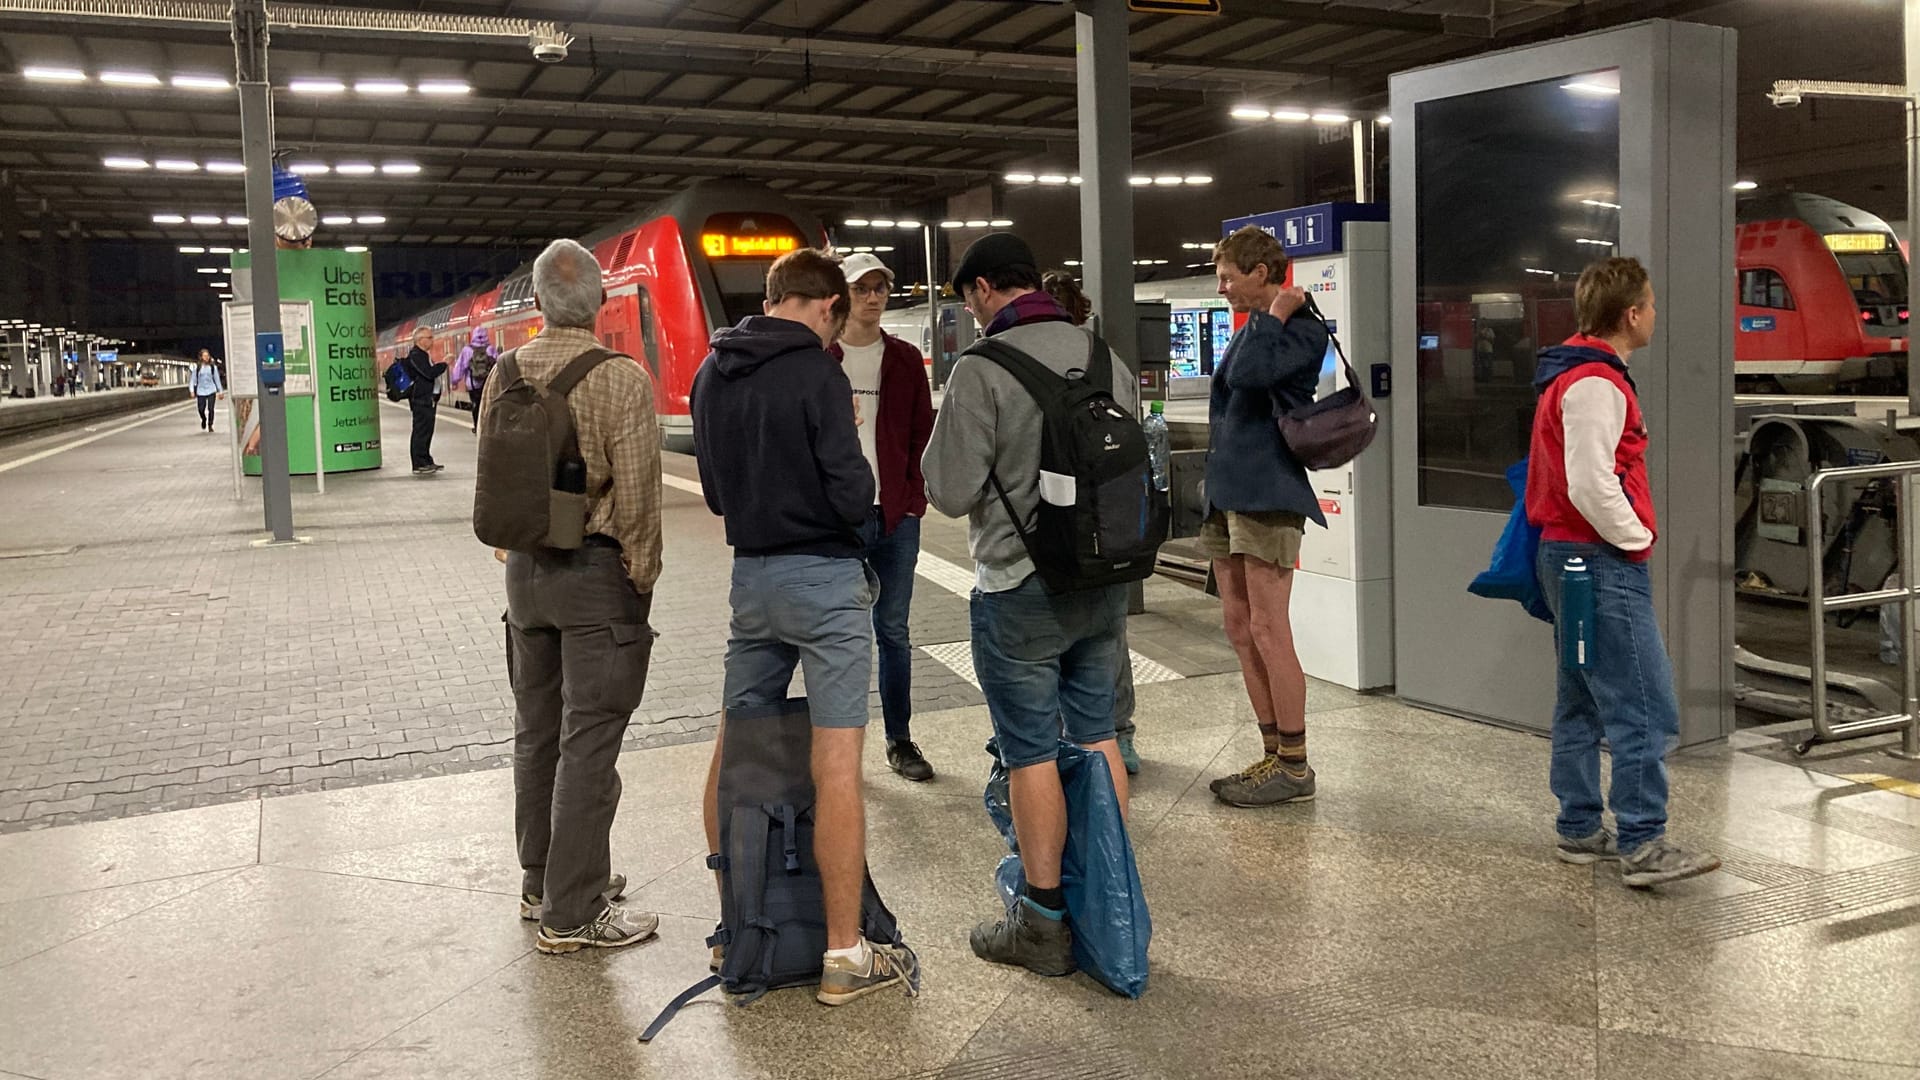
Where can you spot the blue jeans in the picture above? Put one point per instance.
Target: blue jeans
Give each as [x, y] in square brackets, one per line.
[1625, 693]
[801, 609]
[893, 558]
[1046, 665]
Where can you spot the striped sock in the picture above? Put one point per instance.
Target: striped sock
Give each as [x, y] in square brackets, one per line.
[1270, 739]
[1292, 750]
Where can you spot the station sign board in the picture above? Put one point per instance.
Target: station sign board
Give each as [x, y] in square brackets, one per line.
[1309, 230]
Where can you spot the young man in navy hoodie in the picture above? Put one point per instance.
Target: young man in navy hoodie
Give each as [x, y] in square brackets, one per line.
[1587, 490]
[779, 455]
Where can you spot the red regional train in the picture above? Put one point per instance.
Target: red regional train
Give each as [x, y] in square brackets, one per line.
[686, 267]
[1820, 299]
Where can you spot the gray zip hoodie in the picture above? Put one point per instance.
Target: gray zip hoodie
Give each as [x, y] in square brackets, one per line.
[989, 423]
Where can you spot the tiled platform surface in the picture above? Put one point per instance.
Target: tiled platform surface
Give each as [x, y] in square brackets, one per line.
[1410, 923]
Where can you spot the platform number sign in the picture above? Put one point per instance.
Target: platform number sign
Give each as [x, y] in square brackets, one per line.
[1176, 7]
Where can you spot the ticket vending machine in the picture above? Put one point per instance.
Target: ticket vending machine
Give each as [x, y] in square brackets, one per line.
[1342, 604]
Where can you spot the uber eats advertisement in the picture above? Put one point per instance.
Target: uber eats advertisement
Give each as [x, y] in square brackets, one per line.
[329, 358]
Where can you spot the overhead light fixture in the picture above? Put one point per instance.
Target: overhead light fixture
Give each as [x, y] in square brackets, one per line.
[1745, 185]
[883, 248]
[206, 269]
[1601, 203]
[356, 248]
[237, 219]
[1331, 118]
[1166, 181]
[1021, 178]
[126, 163]
[863, 249]
[317, 86]
[1075, 180]
[219, 251]
[200, 82]
[444, 86]
[1537, 270]
[380, 87]
[337, 219]
[1591, 88]
[1595, 243]
[371, 219]
[1251, 112]
[129, 78]
[1053, 178]
[953, 224]
[1141, 181]
[1197, 179]
[170, 219]
[192, 249]
[979, 223]
[205, 219]
[220, 284]
[857, 223]
[226, 168]
[308, 168]
[1292, 116]
[1000, 223]
[355, 168]
[176, 165]
[400, 168]
[55, 74]
[1383, 119]
[883, 223]
[906, 223]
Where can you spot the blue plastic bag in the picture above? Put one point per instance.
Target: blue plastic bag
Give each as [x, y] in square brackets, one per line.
[1512, 574]
[1108, 909]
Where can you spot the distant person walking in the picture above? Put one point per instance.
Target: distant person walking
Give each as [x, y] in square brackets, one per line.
[472, 366]
[421, 397]
[207, 386]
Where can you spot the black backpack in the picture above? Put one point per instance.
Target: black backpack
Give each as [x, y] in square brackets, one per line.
[1100, 520]
[773, 923]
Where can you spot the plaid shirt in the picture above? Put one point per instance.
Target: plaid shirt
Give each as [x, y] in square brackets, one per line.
[619, 438]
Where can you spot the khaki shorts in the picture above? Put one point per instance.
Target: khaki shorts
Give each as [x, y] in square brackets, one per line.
[1269, 535]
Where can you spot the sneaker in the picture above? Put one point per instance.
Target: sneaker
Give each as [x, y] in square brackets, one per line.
[1128, 756]
[841, 982]
[1588, 849]
[1028, 937]
[904, 757]
[1239, 777]
[438, 468]
[616, 926]
[423, 470]
[1657, 862]
[1269, 784]
[530, 902]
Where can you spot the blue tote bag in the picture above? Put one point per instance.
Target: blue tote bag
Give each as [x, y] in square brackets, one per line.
[1511, 575]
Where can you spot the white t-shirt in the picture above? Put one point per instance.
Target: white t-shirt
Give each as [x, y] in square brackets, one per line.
[862, 365]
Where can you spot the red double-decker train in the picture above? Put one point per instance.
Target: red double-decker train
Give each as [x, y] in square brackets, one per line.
[689, 265]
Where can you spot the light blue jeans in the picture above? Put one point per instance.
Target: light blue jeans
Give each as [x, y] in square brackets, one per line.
[1625, 693]
[809, 610]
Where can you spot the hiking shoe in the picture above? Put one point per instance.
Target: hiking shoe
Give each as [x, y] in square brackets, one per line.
[1235, 778]
[1269, 784]
[841, 982]
[1028, 937]
[904, 757]
[1657, 862]
[1128, 756]
[1588, 849]
[530, 902]
[616, 926]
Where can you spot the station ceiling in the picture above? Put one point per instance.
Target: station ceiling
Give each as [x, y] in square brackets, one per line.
[836, 102]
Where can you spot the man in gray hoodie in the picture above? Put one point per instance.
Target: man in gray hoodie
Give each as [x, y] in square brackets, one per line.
[1045, 660]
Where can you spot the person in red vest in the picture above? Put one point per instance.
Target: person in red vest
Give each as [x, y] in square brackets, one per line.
[1587, 491]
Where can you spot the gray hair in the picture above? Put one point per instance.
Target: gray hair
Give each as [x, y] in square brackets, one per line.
[566, 279]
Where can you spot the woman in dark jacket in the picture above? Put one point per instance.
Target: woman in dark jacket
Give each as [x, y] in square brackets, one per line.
[1259, 502]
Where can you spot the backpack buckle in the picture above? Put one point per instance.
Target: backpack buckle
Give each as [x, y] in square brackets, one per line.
[717, 863]
[721, 936]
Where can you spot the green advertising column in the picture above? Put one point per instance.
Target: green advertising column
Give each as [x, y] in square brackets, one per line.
[326, 303]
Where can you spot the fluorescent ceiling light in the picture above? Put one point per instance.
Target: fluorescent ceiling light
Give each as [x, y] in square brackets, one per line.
[317, 86]
[169, 219]
[400, 168]
[883, 248]
[200, 82]
[1331, 118]
[1000, 223]
[176, 165]
[906, 223]
[1602, 203]
[1745, 185]
[1590, 88]
[1251, 112]
[355, 168]
[883, 223]
[857, 223]
[337, 219]
[236, 219]
[382, 87]
[226, 296]
[205, 219]
[1383, 119]
[207, 270]
[1292, 116]
[1537, 270]
[979, 223]
[1166, 181]
[193, 249]
[129, 78]
[220, 284]
[444, 86]
[1141, 181]
[356, 247]
[1053, 178]
[863, 249]
[308, 168]
[219, 251]
[371, 219]
[1021, 178]
[953, 224]
[125, 163]
[1595, 243]
[1197, 179]
[55, 74]
[228, 168]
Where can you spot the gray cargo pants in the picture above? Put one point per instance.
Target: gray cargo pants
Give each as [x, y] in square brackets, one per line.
[577, 649]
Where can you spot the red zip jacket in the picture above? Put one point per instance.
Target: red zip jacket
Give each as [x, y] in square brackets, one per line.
[1587, 425]
[905, 423]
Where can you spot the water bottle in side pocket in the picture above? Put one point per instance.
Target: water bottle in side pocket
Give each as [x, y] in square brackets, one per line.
[1576, 613]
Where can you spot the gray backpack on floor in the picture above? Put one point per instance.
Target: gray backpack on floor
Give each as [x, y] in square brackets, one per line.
[773, 922]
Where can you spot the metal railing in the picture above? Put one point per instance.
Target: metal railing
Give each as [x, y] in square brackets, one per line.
[1907, 595]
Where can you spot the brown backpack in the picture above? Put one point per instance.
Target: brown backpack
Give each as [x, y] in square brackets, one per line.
[530, 486]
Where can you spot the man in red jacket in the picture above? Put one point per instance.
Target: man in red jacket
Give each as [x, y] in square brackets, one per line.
[894, 407]
[1587, 490]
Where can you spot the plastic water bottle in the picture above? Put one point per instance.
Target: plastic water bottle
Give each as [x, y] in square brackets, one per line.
[1159, 442]
[1576, 614]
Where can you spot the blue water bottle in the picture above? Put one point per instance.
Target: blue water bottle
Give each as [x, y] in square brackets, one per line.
[1576, 614]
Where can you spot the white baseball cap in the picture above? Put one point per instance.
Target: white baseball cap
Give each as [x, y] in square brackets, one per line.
[862, 264]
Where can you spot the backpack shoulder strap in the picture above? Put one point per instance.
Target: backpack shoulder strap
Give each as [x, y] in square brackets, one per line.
[1099, 362]
[577, 369]
[1038, 380]
[673, 1007]
[508, 367]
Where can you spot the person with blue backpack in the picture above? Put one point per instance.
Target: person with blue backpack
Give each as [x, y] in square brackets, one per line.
[1588, 493]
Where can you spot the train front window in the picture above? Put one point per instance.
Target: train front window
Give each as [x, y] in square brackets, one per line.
[1876, 278]
[743, 287]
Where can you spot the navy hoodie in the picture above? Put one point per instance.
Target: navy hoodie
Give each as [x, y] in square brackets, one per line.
[778, 450]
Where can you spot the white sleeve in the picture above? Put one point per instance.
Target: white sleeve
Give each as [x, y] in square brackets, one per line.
[1593, 415]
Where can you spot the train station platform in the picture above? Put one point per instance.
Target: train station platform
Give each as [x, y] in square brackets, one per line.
[254, 823]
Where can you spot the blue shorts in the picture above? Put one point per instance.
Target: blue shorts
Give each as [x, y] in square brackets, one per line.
[1046, 665]
[807, 610]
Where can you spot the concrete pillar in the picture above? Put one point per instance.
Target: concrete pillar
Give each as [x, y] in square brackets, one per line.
[1106, 169]
[13, 255]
